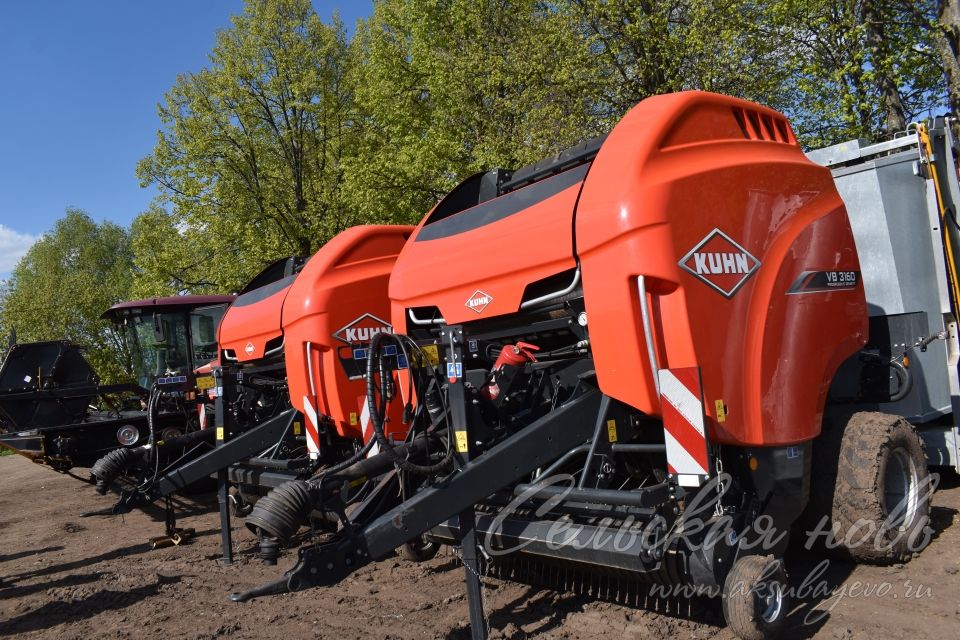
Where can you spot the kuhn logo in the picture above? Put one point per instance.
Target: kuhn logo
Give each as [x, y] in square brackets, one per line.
[249, 348]
[720, 262]
[479, 301]
[362, 329]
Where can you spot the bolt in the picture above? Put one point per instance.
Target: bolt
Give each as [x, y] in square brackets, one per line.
[329, 566]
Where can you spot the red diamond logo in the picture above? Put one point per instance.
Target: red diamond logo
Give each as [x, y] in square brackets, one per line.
[362, 329]
[479, 301]
[720, 262]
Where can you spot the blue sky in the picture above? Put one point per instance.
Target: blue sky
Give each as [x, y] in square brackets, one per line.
[78, 96]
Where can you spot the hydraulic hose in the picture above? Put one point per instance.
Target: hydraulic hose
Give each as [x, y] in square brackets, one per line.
[151, 442]
[378, 409]
[340, 466]
[906, 380]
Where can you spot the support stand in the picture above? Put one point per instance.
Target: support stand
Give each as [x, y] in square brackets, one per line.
[223, 483]
[173, 535]
[452, 338]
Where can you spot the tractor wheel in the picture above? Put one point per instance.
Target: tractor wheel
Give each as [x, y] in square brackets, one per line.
[756, 597]
[420, 549]
[880, 500]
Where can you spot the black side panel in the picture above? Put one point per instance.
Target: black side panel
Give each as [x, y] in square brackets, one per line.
[502, 207]
[43, 384]
[283, 268]
[264, 292]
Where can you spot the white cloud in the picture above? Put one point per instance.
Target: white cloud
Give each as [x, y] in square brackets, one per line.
[13, 246]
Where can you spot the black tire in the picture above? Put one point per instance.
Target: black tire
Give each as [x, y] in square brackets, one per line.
[420, 549]
[879, 500]
[756, 598]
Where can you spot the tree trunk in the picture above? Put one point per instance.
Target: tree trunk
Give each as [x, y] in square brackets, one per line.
[947, 42]
[894, 118]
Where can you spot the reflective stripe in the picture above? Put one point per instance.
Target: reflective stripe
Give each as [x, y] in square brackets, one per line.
[679, 460]
[313, 438]
[682, 399]
[684, 430]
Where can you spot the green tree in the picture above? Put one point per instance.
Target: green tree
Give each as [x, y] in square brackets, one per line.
[649, 47]
[446, 89]
[939, 20]
[65, 281]
[171, 259]
[857, 68]
[249, 156]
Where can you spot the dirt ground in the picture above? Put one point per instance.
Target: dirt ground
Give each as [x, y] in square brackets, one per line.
[68, 577]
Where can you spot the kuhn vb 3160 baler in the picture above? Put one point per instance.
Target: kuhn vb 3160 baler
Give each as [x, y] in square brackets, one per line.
[617, 361]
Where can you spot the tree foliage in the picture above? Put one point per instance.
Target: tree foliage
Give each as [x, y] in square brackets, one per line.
[249, 156]
[65, 281]
[648, 47]
[446, 89]
[856, 68]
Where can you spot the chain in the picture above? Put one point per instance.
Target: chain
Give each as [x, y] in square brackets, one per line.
[718, 510]
[480, 578]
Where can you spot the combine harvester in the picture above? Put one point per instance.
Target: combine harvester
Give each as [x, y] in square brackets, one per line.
[619, 364]
[54, 411]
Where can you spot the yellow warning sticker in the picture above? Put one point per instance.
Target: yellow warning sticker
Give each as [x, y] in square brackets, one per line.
[220, 433]
[296, 428]
[721, 411]
[204, 383]
[433, 355]
[353, 419]
[463, 445]
[612, 430]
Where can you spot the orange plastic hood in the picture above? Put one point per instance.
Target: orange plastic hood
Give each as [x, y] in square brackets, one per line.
[749, 260]
[339, 299]
[250, 329]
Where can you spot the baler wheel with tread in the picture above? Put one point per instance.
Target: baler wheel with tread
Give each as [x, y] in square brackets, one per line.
[879, 499]
[756, 597]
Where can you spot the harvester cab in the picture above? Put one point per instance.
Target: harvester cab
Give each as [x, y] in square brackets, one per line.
[635, 394]
[169, 338]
